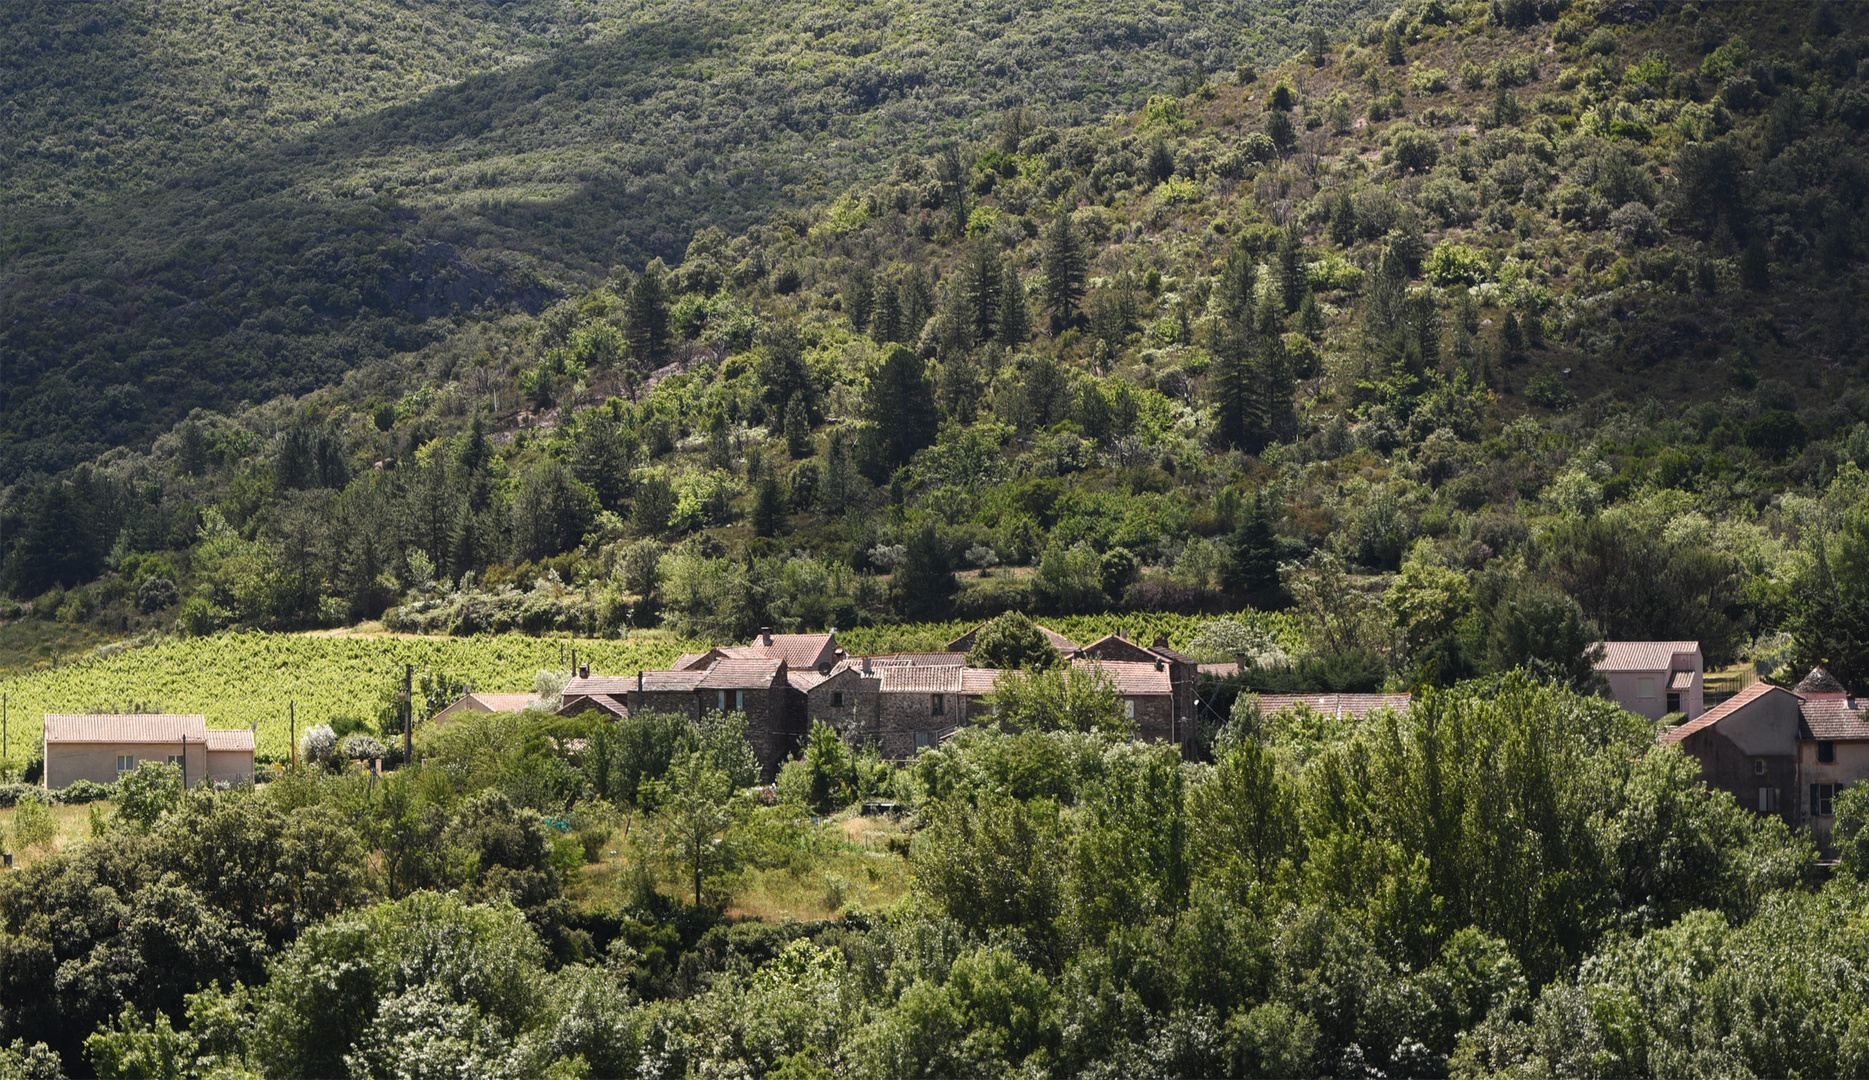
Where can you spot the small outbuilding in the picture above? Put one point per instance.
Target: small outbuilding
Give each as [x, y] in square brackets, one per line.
[103, 746]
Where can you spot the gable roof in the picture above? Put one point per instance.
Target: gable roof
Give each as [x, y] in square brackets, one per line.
[742, 674]
[797, 650]
[1721, 711]
[488, 703]
[574, 704]
[1132, 679]
[1643, 655]
[125, 728]
[600, 684]
[671, 682]
[936, 679]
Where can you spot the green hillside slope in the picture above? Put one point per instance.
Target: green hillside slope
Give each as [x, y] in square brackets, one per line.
[219, 203]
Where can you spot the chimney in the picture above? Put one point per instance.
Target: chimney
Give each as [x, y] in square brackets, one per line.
[765, 636]
[1161, 664]
[1161, 641]
[866, 665]
[639, 680]
[584, 672]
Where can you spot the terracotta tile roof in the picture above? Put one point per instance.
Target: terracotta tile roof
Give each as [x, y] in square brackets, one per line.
[1643, 655]
[1117, 647]
[1681, 680]
[1720, 712]
[975, 681]
[124, 728]
[692, 661]
[916, 659]
[233, 739]
[737, 674]
[1831, 719]
[1224, 671]
[804, 681]
[1167, 653]
[797, 650]
[575, 704]
[670, 682]
[1356, 705]
[1132, 679]
[601, 684]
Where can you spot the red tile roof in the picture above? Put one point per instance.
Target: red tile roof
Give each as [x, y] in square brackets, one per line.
[940, 679]
[737, 674]
[236, 740]
[163, 728]
[1132, 679]
[671, 682]
[1643, 655]
[797, 650]
[1832, 719]
[1720, 712]
[600, 684]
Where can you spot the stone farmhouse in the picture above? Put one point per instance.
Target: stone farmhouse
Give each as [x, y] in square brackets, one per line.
[899, 703]
[1783, 752]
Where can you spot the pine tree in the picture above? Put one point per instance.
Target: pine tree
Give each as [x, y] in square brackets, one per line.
[1342, 219]
[859, 297]
[768, 507]
[1015, 319]
[1230, 388]
[1511, 340]
[1065, 269]
[797, 428]
[1235, 294]
[1251, 566]
[886, 314]
[979, 292]
[836, 490]
[900, 409]
[646, 308]
[1293, 282]
[925, 581]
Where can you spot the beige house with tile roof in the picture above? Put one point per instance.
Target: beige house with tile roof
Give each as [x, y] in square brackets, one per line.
[100, 747]
[1655, 678]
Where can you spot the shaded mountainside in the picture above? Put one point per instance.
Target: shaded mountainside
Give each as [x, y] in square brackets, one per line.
[217, 203]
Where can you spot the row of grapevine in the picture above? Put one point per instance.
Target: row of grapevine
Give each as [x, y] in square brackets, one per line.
[236, 680]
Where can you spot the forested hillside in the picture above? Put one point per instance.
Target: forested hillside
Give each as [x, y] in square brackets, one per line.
[212, 202]
[1543, 324]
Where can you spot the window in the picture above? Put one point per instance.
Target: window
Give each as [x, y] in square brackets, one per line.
[126, 763]
[1645, 687]
[1129, 708]
[1674, 703]
[739, 701]
[1826, 752]
[837, 699]
[1758, 767]
[938, 704]
[1823, 798]
[1768, 800]
[921, 740]
[175, 760]
[720, 700]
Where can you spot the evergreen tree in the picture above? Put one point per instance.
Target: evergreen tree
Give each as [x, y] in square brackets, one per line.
[1065, 268]
[1235, 293]
[1251, 567]
[859, 297]
[836, 491]
[1293, 281]
[899, 408]
[925, 582]
[917, 303]
[781, 370]
[979, 292]
[1511, 340]
[768, 516]
[646, 308]
[797, 428]
[886, 314]
[1230, 388]
[1015, 318]
[1342, 218]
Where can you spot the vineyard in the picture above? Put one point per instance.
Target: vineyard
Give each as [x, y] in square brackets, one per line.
[254, 678]
[239, 679]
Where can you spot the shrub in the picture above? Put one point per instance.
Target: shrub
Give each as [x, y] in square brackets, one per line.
[1456, 264]
[84, 791]
[33, 824]
[363, 747]
[318, 743]
[1549, 392]
[151, 790]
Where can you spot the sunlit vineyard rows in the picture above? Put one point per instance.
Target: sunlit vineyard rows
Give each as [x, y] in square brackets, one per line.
[254, 678]
[239, 679]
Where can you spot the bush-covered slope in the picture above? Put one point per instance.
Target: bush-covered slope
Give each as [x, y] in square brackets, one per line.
[216, 203]
[1536, 328]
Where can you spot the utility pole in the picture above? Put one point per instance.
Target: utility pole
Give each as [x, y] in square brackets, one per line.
[4, 756]
[408, 714]
[292, 710]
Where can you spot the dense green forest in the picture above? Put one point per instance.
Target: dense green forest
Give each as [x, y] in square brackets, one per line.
[215, 202]
[1416, 348]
